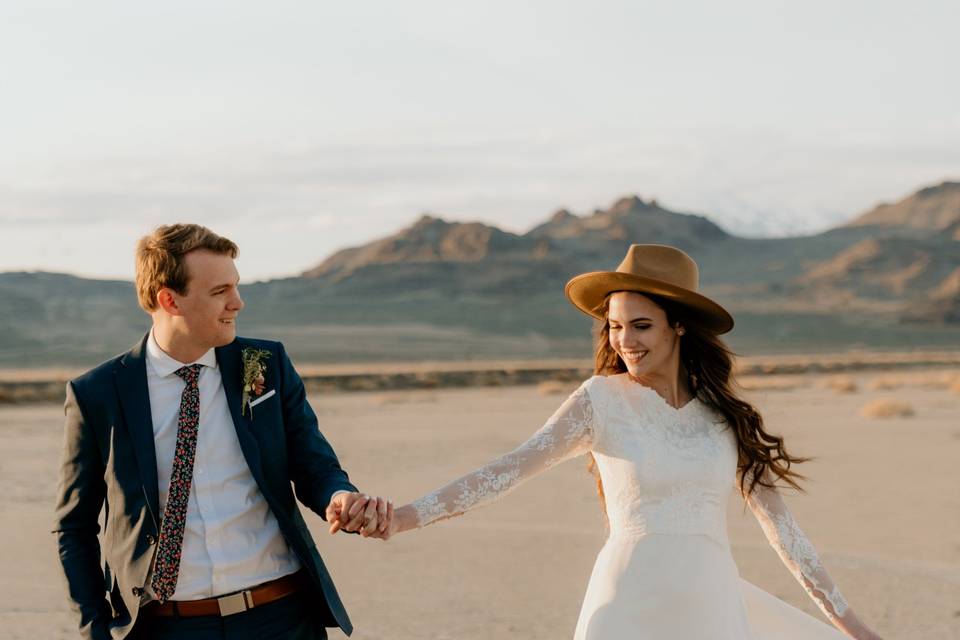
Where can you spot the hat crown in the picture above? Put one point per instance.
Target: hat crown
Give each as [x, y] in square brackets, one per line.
[660, 262]
[653, 269]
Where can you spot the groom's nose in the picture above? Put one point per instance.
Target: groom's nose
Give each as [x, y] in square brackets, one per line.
[237, 302]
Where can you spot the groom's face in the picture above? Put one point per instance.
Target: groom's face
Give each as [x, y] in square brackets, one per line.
[210, 307]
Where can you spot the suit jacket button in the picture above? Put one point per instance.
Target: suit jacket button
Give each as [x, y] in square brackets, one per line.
[138, 591]
[151, 539]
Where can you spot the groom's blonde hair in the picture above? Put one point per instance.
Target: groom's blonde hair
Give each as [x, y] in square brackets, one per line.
[160, 258]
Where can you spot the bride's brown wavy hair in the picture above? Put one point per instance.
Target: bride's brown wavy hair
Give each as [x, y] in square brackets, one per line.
[708, 364]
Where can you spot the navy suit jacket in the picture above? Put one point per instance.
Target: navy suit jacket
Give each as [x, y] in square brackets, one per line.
[109, 464]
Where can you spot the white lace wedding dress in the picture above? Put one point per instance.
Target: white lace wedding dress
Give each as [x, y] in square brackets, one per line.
[666, 570]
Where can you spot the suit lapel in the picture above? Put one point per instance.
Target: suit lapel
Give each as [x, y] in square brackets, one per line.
[230, 362]
[131, 381]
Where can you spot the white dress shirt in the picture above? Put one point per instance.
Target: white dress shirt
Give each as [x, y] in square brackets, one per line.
[231, 540]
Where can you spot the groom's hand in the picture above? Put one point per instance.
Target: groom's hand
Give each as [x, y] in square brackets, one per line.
[344, 509]
[358, 512]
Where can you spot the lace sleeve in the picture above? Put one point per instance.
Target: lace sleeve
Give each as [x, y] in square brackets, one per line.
[568, 433]
[796, 550]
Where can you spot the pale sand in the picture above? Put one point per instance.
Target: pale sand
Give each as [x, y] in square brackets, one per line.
[883, 509]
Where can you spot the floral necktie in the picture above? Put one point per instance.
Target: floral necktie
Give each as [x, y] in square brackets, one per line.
[170, 545]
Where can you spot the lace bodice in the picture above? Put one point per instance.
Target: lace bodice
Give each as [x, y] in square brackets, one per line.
[664, 470]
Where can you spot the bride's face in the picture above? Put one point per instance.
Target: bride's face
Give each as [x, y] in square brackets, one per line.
[642, 336]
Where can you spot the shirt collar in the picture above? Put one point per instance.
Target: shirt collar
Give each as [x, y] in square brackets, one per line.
[164, 365]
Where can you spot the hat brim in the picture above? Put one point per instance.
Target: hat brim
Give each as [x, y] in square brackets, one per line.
[588, 291]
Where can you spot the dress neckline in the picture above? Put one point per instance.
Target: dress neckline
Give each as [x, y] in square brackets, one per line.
[630, 381]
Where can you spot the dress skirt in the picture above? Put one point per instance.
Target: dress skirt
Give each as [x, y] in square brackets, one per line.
[685, 587]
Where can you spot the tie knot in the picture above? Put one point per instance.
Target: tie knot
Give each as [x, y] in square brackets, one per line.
[190, 373]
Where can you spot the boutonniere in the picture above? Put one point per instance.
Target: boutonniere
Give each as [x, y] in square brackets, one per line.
[254, 381]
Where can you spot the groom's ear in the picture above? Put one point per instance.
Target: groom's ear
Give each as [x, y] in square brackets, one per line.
[167, 300]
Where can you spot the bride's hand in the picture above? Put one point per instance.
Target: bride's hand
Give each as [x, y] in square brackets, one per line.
[356, 512]
[853, 627]
[402, 519]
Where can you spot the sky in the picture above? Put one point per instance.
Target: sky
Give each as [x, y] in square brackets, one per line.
[299, 128]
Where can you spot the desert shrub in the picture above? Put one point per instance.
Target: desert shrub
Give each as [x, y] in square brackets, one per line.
[770, 383]
[841, 384]
[554, 388]
[886, 408]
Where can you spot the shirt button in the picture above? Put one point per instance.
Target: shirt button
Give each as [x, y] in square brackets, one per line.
[138, 591]
[151, 539]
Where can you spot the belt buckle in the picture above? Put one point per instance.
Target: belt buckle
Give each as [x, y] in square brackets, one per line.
[235, 603]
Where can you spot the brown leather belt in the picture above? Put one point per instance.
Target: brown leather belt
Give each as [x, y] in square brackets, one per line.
[232, 603]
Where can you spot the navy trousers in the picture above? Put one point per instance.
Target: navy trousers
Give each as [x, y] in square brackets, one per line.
[289, 618]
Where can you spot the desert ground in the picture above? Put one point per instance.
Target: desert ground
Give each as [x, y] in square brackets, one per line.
[882, 507]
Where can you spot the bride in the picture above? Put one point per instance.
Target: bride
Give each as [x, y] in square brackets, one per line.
[669, 440]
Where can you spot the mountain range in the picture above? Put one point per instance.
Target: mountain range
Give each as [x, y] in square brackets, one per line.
[438, 289]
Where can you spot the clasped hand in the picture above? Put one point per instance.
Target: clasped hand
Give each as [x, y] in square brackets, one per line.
[370, 516]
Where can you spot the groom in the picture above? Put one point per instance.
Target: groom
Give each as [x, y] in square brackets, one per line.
[190, 443]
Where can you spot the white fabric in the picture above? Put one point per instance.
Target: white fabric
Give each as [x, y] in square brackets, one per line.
[666, 570]
[231, 539]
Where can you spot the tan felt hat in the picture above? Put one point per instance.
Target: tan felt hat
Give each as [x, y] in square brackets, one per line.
[650, 268]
